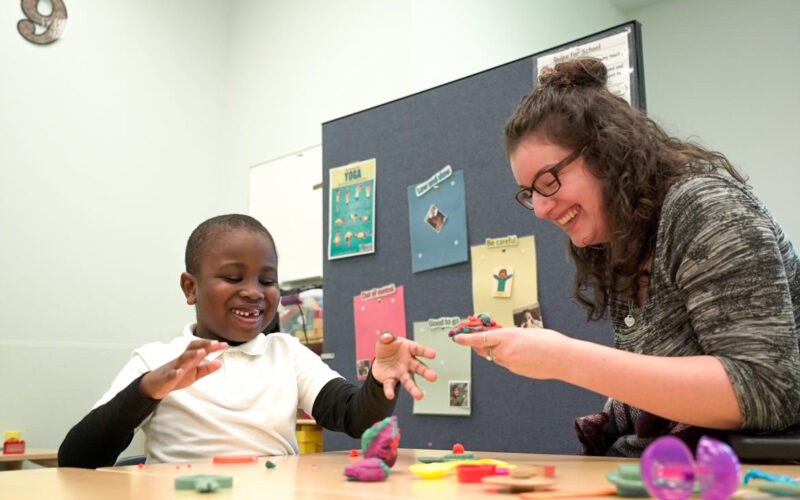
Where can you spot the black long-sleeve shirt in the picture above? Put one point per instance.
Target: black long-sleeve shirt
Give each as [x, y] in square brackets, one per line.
[99, 438]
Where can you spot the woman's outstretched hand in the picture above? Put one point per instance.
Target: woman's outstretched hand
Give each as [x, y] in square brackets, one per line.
[395, 361]
[531, 352]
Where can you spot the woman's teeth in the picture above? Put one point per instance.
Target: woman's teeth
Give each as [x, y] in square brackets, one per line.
[563, 221]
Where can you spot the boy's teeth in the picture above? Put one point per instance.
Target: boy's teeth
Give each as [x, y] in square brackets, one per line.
[246, 314]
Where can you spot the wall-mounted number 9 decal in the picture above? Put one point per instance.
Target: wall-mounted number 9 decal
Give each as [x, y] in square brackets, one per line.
[53, 25]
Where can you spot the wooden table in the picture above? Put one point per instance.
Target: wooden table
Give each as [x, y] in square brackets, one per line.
[13, 461]
[316, 476]
[305, 477]
[67, 483]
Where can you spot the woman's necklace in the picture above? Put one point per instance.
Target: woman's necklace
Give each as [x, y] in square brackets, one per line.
[640, 291]
[629, 319]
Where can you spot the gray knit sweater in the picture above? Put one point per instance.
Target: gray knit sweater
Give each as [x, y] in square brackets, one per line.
[725, 282]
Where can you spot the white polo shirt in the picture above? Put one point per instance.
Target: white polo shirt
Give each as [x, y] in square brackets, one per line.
[248, 406]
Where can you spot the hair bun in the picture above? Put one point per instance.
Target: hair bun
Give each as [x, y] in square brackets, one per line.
[582, 72]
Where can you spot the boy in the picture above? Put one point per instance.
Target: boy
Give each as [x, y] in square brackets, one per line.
[249, 406]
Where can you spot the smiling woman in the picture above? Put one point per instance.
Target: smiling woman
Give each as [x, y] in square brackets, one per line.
[701, 284]
[576, 204]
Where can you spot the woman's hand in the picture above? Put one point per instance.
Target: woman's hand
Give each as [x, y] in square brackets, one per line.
[395, 361]
[182, 371]
[694, 390]
[531, 352]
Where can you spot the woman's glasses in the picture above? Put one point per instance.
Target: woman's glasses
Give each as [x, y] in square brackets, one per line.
[546, 183]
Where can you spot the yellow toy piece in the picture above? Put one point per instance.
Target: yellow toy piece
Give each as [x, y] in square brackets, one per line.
[13, 435]
[440, 469]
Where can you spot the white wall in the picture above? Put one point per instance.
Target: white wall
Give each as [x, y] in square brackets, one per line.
[110, 153]
[144, 119]
[726, 72]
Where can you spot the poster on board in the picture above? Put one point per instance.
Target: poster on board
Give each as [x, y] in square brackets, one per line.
[451, 392]
[612, 50]
[377, 311]
[437, 219]
[504, 281]
[619, 48]
[351, 228]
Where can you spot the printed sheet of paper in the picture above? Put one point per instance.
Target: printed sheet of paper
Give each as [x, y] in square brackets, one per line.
[352, 210]
[451, 394]
[376, 311]
[437, 219]
[614, 53]
[504, 278]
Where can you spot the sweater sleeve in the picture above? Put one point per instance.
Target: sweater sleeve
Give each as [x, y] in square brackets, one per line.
[99, 438]
[345, 407]
[729, 259]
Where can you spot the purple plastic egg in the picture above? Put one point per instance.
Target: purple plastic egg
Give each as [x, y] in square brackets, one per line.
[718, 469]
[668, 469]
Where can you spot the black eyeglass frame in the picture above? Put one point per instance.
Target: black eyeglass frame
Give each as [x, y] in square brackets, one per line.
[527, 193]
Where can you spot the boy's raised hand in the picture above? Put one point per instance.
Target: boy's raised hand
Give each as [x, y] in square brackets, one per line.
[182, 371]
[395, 361]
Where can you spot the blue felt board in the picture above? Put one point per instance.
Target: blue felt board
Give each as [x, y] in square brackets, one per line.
[461, 124]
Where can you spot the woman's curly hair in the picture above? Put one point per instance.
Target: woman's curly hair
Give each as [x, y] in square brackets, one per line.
[633, 157]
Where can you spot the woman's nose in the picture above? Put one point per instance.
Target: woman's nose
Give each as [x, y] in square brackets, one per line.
[542, 205]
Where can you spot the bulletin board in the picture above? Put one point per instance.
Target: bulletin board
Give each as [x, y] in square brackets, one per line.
[459, 124]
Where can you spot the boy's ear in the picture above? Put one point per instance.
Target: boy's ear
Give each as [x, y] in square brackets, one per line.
[189, 287]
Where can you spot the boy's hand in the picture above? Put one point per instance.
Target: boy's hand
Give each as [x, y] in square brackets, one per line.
[182, 371]
[395, 361]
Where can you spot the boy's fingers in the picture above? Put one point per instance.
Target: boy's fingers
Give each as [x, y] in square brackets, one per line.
[190, 358]
[189, 354]
[420, 350]
[208, 367]
[423, 370]
[209, 345]
[388, 388]
[218, 346]
[198, 344]
[387, 337]
[411, 387]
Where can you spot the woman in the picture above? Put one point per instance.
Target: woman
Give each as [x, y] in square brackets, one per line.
[700, 282]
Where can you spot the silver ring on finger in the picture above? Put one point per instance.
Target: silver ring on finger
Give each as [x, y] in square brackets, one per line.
[483, 337]
[489, 356]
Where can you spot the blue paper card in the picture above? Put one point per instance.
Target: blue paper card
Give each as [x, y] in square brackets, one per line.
[437, 219]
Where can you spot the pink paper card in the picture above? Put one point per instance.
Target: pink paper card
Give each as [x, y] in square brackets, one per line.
[376, 311]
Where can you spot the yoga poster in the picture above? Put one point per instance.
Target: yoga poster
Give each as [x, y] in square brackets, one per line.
[352, 210]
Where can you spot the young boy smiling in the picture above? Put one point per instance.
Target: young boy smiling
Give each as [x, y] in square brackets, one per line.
[248, 405]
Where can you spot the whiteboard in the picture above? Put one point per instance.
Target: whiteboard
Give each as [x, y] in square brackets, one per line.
[286, 196]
